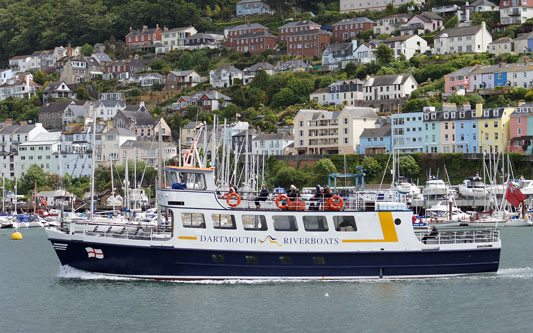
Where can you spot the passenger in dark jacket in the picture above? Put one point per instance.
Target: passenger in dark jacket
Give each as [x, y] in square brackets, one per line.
[263, 196]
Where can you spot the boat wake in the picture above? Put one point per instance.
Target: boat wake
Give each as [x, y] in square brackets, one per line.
[67, 272]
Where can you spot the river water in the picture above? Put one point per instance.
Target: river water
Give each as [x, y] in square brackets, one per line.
[37, 295]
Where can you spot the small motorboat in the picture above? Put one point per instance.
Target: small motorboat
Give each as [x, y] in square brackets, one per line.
[518, 223]
[473, 187]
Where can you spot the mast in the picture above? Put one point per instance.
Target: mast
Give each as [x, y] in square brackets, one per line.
[135, 177]
[246, 160]
[127, 185]
[213, 148]
[16, 183]
[3, 192]
[160, 178]
[93, 161]
[112, 185]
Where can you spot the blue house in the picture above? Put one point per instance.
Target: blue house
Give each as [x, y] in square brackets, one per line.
[251, 7]
[408, 132]
[375, 141]
[500, 79]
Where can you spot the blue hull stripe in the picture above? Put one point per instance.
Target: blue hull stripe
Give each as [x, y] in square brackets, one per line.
[173, 262]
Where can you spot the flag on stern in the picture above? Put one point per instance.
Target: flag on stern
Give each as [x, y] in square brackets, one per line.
[513, 195]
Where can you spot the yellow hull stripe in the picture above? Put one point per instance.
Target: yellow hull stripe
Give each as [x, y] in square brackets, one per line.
[188, 237]
[388, 228]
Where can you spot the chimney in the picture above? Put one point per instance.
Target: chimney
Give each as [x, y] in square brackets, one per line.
[145, 28]
[520, 103]
[131, 29]
[483, 26]
[466, 107]
[69, 50]
[449, 107]
[9, 122]
[157, 26]
[23, 122]
[479, 109]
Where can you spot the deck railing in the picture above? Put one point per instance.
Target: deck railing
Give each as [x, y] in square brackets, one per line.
[460, 236]
[118, 230]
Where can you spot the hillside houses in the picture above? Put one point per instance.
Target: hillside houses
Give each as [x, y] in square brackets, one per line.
[472, 39]
[144, 38]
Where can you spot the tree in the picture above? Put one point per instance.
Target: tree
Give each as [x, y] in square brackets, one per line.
[34, 175]
[283, 98]
[322, 169]
[82, 95]
[451, 22]
[350, 69]
[287, 176]
[87, 50]
[384, 55]
[371, 167]
[409, 167]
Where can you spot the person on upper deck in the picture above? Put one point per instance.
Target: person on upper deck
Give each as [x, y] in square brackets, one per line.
[293, 194]
[263, 196]
[327, 192]
[317, 198]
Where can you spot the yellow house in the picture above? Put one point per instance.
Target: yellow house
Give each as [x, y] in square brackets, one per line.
[493, 127]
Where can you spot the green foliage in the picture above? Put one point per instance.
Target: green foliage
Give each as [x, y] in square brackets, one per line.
[350, 69]
[409, 167]
[452, 22]
[82, 95]
[384, 55]
[33, 176]
[87, 50]
[322, 169]
[371, 167]
[287, 176]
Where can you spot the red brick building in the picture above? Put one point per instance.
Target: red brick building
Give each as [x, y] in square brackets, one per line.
[255, 42]
[309, 43]
[144, 38]
[129, 66]
[234, 32]
[292, 27]
[350, 28]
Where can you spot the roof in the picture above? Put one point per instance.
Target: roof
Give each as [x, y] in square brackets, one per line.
[211, 94]
[524, 36]
[192, 124]
[272, 136]
[229, 68]
[502, 40]
[177, 29]
[248, 26]
[398, 38]
[299, 23]
[256, 34]
[53, 86]
[339, 47]
[102, 57]
[120, 131]
[387, 80]
[321, 91]
[140, 118]
[483, 3]
[55, 106]
[201, 35]
[182, 73]
[459, 31]
[361, 112]
[376, 132]
[142, 32]
[144, 144]
[45, 137]
[354, 20]
[259, 66]
[407, 16]
[429, 17]
[293, 63]
[311, 32]
[463, 71]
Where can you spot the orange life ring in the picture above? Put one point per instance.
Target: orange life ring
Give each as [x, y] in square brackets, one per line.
[228, 199]
[280, 197]
[336, 204]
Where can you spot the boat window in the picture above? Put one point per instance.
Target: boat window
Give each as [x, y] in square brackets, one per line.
[315, 223]
[285, 223]
[319, 260]
[185, 180]
[193, 220]
[254, 222]
[169, 218]
[223, 221]
[217, 258]
[285, 260]
[252, 259]
[344, 223]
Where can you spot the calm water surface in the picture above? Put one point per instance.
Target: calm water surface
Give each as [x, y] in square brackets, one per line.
[37, 295]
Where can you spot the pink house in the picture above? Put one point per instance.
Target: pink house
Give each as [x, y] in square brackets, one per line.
[422, 22]
[521, 129]
[458, 80]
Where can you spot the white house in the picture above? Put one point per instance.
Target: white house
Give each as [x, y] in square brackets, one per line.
[39, 150]
[515, 11]
[19, 86]
[271, 143]
[336, 54]
[224, 76]
[473, 39]
[12, 135]
[249, 73]
[347, 6]
[111, 142]
[172, 39]
[105, 110]
[364, 54]
[390, 23]
[346, 92]
[407, 45]
[385, 87]
[58, 90]
[502, 45]
[321, 96]
[5, 74]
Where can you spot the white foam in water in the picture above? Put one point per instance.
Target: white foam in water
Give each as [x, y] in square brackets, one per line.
[67, 272]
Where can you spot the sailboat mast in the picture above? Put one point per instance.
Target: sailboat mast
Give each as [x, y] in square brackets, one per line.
[93, 161]
[112, 185]
[135, 177]
[160, 178]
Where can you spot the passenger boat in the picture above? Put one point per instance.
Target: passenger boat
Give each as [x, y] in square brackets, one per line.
[435, 187]
[215, 236]
[473, 187]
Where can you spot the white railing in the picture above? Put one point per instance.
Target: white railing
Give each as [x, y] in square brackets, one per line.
[460, 236]
[118, 230]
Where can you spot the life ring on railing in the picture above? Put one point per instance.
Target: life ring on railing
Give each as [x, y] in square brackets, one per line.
[336, 202]
[284, 197]
[228, 199]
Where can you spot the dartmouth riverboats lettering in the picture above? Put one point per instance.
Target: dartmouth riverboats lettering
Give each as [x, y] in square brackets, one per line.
[270, 240]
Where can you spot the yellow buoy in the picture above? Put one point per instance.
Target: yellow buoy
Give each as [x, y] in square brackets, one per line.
[16, 236]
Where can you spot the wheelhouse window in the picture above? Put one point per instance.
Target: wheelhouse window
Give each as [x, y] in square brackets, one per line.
[344, 223]
[254, 222]
[185, 180]
[285, 223]
[223, 221]
[315, 223]
[193, 220]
